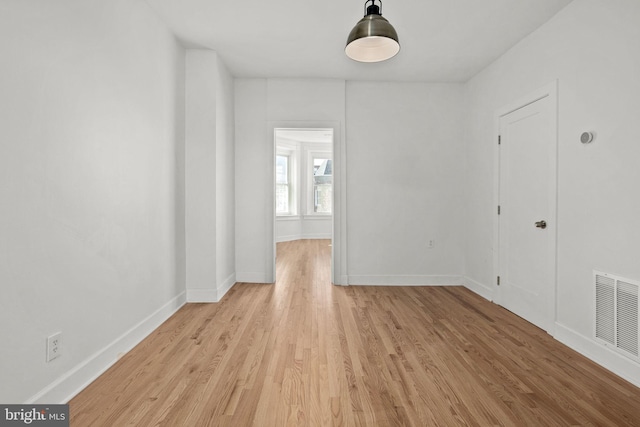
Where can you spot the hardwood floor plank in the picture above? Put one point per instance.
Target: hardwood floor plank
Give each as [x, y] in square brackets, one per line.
[303, 352]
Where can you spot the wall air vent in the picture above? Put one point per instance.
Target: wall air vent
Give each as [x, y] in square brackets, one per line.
[616, 316]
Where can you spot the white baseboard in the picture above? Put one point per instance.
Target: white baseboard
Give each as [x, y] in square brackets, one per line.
[342, 281]
[211, 295]
[252, 278]
[74, 381]
[290, 238]
[614, 362]
[418, 280]
[226, 285]
[608, 359]
[202, 295]
[478, 288]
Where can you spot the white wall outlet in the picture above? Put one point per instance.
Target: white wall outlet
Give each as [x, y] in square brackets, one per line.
[54, 346]
[431, 244]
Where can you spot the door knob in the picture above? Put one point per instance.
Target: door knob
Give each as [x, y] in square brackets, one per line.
[541, 224]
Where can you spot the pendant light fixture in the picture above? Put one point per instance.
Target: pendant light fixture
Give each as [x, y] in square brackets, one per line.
[373, 39]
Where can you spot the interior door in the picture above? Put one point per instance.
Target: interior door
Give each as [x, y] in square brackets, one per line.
[527, 194]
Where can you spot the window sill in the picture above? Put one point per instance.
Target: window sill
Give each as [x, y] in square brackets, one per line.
[318, 216]
[287, 217]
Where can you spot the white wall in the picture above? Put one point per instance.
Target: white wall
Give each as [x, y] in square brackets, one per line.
[253, 236]
[91, 134]
[591, 48]
[405, 180]
[225, 181]
[200, 178]
[261, 106]
[296, 228]
[409, 143]
[210, 232]
[92, 184]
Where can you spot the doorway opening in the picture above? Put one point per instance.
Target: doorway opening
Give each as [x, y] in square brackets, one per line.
[304, 182]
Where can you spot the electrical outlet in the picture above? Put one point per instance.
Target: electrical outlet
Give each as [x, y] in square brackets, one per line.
[54, 346]
[432, 243]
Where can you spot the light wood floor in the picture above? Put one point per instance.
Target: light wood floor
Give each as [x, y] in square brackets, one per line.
[304, 352]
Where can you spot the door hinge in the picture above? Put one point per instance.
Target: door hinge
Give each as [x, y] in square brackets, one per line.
[499, 139]
[498, 281]
[498, 209]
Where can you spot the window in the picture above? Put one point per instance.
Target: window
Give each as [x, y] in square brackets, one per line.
[303, 174]
[321, 181]
[283, 185]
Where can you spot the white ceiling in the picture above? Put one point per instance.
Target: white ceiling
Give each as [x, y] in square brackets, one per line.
[441, 41]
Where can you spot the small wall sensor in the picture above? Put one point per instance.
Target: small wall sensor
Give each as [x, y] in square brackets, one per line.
[586, 137]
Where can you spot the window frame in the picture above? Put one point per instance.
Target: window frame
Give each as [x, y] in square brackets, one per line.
[290, 152]
[313, 154]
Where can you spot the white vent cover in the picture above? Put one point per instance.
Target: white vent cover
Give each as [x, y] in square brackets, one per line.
[616, 317]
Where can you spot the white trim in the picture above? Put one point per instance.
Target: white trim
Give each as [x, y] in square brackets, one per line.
[311, 154]
[201, 295]
[225, 286]
[339, 240]
[293, 237]
[603, 356]
[343, 281]
[484, 291]
[407, 280]
[291, 152]
[74, 381]
[607, 358]
[211, 295]
[252, 277]
[298, 234]
[283, 217]
[317, 217]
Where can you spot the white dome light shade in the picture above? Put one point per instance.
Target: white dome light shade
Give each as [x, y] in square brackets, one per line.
[372, 49]
[373, 39]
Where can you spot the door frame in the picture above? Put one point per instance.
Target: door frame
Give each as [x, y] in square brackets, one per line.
[339, 214]
[550, 91]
